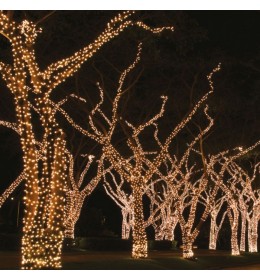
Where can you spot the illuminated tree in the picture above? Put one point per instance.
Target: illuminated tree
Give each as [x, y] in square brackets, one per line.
[122, 196]
[163, 210]
[189, 190]
[240, 195]
[217, 215]
[45, 178]
[120, 192]
[253, 215]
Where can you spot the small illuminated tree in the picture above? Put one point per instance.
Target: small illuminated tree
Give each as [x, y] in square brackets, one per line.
[122, 196]
[163, 210]
[217, 215]
[193, 183]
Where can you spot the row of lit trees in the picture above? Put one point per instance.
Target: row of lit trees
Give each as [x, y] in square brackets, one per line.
[178, 187]
[54, 195]
[169, 199]
[188, 194]
[139, 170]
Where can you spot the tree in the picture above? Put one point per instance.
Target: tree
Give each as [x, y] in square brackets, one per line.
[216, 213]
[121, 195]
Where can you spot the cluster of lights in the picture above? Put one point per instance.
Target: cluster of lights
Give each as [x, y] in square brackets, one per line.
[211, 203]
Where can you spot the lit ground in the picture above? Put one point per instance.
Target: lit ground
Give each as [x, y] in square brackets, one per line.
[157, 260]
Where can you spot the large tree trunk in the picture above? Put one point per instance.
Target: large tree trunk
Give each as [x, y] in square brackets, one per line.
[31, 245]
[43, 225]
[139, 249]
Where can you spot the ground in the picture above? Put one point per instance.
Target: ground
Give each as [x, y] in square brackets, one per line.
[158, 260]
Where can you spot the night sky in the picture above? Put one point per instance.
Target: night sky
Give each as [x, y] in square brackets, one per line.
[169, 64]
